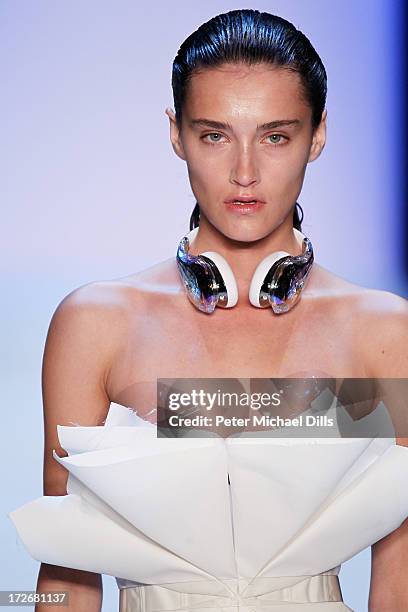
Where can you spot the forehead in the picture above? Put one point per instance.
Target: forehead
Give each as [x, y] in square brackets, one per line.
[236, 90]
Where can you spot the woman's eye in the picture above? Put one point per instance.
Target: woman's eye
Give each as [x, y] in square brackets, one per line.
[213, 134]
[215, 137]
[275, 136]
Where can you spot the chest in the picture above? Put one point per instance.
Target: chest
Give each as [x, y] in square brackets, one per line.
[248, 344]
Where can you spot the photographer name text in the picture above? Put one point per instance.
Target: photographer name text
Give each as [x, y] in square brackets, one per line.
[254, 420]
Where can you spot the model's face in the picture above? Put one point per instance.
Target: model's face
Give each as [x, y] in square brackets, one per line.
[229, 152]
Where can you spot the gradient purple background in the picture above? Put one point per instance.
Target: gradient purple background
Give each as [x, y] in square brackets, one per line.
[91, 188]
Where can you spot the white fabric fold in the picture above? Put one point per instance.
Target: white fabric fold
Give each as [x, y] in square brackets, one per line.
[158, 511]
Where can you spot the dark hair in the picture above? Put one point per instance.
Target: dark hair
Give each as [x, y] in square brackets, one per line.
[251, 37]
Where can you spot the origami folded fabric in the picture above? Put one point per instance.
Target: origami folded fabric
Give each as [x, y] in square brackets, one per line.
[210, 510]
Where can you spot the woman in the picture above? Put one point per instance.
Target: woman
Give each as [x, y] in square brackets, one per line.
[249, 93]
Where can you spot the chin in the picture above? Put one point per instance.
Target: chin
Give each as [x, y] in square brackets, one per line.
[249, 234]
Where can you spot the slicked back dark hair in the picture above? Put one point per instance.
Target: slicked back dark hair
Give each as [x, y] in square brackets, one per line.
[251, 37]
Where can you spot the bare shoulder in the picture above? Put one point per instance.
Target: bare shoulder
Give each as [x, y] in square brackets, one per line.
[384, 333]
[101, 303]
[160, 278]
[91, 307]
[83, 337]
[116, 295]
[369, 303]
[89, 324]
[379, 321]
[326, 283]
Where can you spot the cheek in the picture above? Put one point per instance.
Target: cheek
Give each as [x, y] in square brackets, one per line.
[205, 173]
[206, 162]
[285, 167]
[201, 182]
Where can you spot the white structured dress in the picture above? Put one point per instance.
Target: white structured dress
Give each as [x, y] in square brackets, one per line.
[249, 524]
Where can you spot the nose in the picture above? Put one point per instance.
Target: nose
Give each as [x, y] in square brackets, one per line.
[244, 170]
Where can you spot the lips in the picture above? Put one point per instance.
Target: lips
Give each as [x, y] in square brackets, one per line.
[243, 199]
[244, 207]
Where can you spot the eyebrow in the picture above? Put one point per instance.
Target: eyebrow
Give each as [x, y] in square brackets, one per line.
[220, 125]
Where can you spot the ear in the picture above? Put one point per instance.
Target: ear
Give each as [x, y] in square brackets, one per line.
[319, 138]
[175, 136]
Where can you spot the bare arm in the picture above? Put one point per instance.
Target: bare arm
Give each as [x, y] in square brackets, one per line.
[78, 351]
[386, 340]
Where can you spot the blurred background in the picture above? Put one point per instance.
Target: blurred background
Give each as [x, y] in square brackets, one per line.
[91, 189]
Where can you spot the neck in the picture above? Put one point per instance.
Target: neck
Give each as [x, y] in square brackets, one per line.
[244, 257]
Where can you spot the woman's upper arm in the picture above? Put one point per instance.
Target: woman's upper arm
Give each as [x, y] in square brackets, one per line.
[78, 351]
[386, 339]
